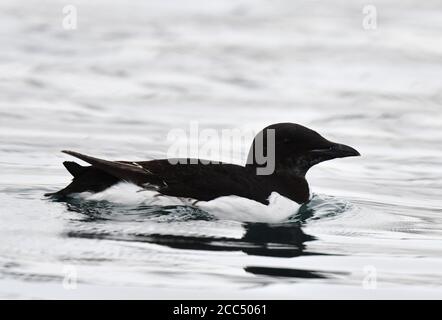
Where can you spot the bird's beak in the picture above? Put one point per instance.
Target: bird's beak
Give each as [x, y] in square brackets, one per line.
[343, 151]
[337, 150]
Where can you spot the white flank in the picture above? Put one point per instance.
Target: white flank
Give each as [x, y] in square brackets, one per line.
[225, 208]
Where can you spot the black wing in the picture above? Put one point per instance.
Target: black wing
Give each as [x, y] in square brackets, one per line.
[198, 180]
[206, 182]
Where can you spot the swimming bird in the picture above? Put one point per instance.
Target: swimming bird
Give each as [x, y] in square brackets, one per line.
[291, 149]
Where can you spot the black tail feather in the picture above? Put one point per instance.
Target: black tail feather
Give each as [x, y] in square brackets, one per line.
[74, 168]
[126, 171]
[101, 175]
[88, 179]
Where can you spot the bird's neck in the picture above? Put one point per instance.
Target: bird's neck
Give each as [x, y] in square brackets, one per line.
[288, 183]
[295, 185]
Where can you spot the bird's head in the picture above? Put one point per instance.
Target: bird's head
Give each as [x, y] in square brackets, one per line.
[293, 148]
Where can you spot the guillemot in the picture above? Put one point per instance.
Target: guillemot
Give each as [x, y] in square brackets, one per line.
[295, 149]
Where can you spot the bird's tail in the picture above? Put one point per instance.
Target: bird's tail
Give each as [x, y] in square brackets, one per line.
[88, 178]
[101, 174]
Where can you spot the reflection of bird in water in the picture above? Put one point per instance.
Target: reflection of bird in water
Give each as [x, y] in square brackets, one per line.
[277, 240]
[259, 239]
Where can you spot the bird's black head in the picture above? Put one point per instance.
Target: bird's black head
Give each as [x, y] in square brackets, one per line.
[293, 149]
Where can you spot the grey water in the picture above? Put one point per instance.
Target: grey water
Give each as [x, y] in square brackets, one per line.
[132, 71]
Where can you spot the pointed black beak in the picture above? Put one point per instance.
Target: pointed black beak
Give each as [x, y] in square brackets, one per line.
[343, 151]
[336, 150]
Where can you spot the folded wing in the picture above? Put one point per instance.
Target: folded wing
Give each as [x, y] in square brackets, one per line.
[200, 181]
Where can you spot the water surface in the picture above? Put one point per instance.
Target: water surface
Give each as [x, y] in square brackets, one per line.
[133, 71]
